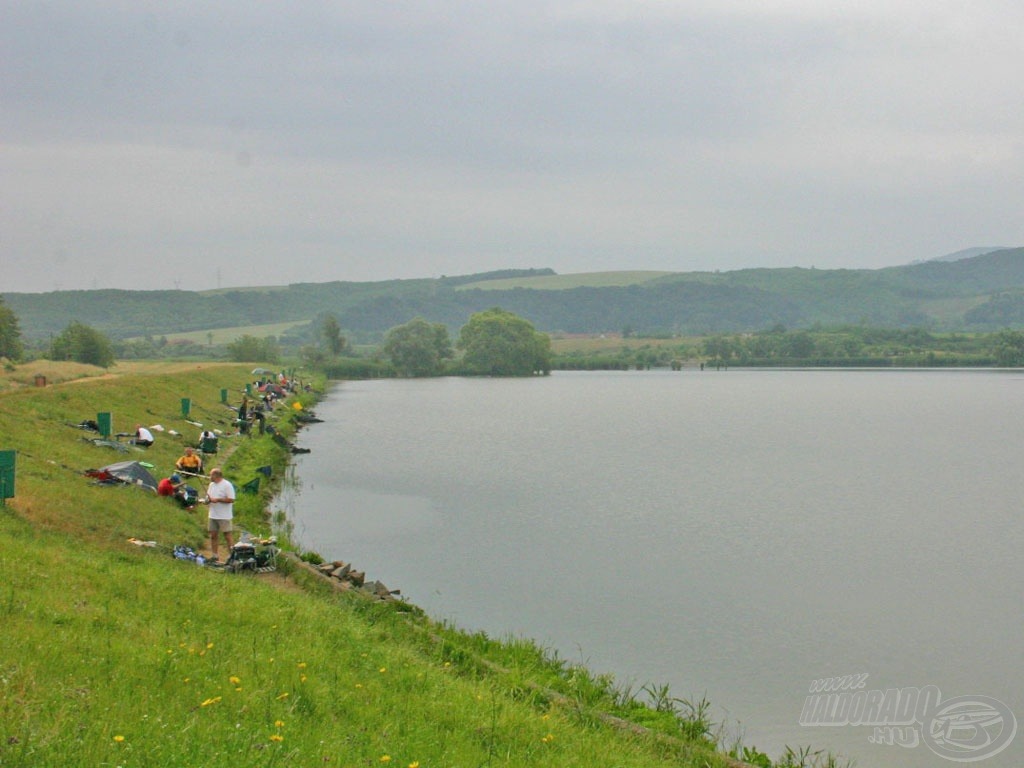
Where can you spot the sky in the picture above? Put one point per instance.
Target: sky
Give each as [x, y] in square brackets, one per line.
[197, 145]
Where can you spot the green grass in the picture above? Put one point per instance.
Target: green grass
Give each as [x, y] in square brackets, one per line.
[562, 282]
[116, 654]
[227, 335]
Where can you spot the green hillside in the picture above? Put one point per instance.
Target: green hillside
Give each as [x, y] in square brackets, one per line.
[982, 293]
[116, 653]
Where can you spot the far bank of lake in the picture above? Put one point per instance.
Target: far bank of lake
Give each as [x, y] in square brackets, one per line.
[739, 534]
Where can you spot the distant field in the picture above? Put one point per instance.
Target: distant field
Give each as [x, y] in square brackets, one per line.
[562, 282]
[226, 335]
[244, 289]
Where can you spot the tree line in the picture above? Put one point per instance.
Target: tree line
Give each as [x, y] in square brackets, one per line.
[498, 342]
[494, 342]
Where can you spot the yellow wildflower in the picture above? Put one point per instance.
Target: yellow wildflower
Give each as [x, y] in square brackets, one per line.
[119, 738]
[279, 723]
[276, 737]
[208, 702]
[385, 758]
[234, 680]
[414, 764]
[302, 665]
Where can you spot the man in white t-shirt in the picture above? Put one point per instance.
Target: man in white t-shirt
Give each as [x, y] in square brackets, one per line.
[220, 495]
[143, 436]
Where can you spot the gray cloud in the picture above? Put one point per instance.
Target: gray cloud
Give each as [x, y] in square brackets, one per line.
[146, 145]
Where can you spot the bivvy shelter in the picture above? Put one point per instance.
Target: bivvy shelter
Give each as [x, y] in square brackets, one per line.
[126, 472]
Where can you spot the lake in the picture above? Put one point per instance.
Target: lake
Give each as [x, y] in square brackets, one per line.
[733, 534]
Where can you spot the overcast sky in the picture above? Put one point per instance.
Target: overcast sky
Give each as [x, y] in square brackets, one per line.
[194, 144]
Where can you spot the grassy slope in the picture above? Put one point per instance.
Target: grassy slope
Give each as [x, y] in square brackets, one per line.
[227, 335]
[114, 654]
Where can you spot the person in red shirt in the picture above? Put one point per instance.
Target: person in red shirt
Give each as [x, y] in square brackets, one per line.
[168, 485]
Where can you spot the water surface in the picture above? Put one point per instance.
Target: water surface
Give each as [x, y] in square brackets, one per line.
[734, 534]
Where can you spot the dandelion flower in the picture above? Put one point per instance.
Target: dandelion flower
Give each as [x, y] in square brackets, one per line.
[209, 646]
[302, 665]
[383, 670]
[385, 758]
[414, 764]
[119, 738]
[302, 678]
[234, 680]
[279, 723]
[276, 737]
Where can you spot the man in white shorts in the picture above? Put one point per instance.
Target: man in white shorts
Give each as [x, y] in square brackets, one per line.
[220, 495]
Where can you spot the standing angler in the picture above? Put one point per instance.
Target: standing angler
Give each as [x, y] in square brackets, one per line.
[220, 495]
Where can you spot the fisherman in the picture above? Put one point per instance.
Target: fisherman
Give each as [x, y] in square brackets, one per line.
[143, 436]
[169, 485]
[190, 463]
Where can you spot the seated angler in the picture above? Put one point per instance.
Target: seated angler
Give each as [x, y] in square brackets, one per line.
[190, 463]
[168, 486]
[143, 436]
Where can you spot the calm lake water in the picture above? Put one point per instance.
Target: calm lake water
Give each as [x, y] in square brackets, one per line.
[735, 534]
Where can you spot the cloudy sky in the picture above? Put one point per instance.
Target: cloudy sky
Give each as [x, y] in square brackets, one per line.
[195, 144]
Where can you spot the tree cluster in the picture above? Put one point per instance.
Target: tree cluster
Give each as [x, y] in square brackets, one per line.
[493, 343]
[82, 344]
[418, 348]
[250, 349]
[10, 334]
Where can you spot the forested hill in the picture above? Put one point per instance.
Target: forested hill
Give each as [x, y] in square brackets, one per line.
[985, 292]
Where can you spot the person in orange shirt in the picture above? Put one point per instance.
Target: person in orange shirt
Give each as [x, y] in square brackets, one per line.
[191, 463]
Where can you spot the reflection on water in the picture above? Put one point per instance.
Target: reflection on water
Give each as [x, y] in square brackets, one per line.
[739, 534]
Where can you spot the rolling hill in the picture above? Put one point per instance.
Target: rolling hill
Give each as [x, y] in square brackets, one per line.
[981, 292]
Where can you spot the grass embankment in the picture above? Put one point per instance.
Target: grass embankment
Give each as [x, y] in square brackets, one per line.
[114, 654]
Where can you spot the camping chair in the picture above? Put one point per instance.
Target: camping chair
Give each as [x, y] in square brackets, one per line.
[208, 444]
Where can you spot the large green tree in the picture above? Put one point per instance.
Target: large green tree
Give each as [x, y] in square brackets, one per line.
[10, 334]
[418, 348]
[500, 343]
[83, 344]
[329, 332]
[1009, 348]
[249, 349]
